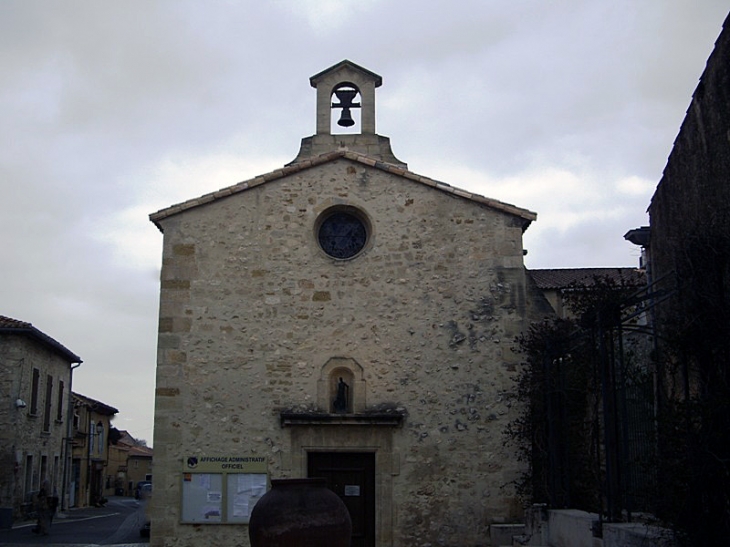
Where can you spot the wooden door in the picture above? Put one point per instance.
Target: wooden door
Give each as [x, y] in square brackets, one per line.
[350, 475]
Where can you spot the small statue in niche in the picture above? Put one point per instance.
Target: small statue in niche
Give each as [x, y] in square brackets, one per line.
[342, 398]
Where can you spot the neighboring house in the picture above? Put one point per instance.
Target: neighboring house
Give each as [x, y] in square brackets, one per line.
[130, 462]
[341, 317]
[139, 466]
[557, 282]
[91, 427]
[115, 483]
[35, 382]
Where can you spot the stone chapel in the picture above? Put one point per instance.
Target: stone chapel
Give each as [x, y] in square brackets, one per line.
[340, 317]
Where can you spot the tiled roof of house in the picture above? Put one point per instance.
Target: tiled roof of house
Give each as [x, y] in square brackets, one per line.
[527, 216]
[96, 406]
[129, 442]
[126, 439]
[14, 326]
[9, 323]
[562, 278]
[141, 452]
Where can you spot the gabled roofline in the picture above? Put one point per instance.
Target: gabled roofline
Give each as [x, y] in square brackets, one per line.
[14, 326]
[94, 405]
[377, 79]
[564, 278]
[526, 215]
[141, 452]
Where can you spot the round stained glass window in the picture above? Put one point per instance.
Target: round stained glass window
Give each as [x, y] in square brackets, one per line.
[342, 234]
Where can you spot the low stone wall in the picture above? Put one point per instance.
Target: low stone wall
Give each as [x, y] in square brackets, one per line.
[573, 528]
[629, 534]
[503, 534]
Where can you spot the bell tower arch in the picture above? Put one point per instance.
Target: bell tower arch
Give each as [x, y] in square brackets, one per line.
[344, 76]
[342, 88]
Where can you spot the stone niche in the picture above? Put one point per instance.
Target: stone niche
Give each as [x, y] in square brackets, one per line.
[351, 373]
[355, 410]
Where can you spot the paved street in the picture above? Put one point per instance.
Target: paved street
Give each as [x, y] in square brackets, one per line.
[118, 524]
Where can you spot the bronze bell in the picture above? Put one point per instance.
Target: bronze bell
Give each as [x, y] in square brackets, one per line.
[345, 96]
[346, 118]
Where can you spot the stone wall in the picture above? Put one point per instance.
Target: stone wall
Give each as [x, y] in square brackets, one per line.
[22, 432]
[690, 260]
[252, 311]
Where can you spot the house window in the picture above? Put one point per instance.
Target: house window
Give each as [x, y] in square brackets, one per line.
[100, 431]
[59, 410]
[28, 473]
[48, 404]
[44, 468]
[56, 469]
[34, 392]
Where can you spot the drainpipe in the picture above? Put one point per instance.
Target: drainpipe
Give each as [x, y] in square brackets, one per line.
[68, 439]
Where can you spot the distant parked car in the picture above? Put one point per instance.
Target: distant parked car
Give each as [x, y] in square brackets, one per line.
[142, 490]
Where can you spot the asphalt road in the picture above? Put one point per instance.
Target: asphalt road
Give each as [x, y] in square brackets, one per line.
[118, 523]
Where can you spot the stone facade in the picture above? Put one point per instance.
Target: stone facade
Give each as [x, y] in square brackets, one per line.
[129, 463]
[35, 376]
[258, 323]
[139, 465]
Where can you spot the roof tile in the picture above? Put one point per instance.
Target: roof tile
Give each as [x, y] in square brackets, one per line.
[529, 216]
[562, 278]
[22, 327]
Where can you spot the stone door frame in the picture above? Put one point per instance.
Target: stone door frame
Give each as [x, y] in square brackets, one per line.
[354, 438]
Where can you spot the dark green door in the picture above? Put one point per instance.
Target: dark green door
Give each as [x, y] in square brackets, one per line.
[350, 475]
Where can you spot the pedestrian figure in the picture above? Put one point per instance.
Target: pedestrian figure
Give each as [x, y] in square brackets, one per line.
[43, 508]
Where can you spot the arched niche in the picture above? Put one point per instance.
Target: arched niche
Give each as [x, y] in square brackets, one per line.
[328, 385]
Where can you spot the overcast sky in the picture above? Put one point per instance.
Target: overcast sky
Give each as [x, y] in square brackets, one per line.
[112, 110]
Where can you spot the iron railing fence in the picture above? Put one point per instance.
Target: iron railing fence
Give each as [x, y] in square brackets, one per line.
[599, 398]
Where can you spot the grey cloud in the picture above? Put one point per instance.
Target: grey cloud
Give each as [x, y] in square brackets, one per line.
[95, 95]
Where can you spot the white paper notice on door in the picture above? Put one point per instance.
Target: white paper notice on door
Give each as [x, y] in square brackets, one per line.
[352, 490]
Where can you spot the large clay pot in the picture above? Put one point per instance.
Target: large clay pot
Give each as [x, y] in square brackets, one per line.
[300, 513]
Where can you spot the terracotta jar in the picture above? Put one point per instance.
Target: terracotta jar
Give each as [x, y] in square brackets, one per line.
[300, 513]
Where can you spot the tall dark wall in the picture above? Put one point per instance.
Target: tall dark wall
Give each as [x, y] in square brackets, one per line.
[690, 212]
[690, 251]
[694, 192]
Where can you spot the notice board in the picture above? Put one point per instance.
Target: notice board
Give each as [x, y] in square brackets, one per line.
[221, 489]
